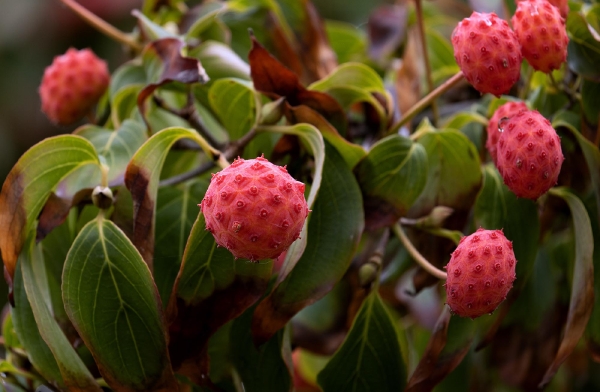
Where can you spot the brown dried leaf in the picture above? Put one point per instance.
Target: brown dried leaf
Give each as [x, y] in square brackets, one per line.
[192, 324]
[275, 80]
[449, 343]
[55, 211]
[316, 53]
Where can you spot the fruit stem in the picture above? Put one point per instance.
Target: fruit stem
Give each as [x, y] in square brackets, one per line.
[414, 253]
[102, 26]
[423, 39]
[425, 101]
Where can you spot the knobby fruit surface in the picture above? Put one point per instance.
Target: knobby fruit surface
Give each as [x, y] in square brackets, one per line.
[529, 154]
[488, 53]
[542, 34]
[504, 111]
[72, 85]
[254, 208]
[481, 272]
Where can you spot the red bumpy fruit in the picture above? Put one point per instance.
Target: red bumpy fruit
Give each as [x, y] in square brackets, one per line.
[254, 208]
[481, 272]
[72, 85]
[542, 34]
[488, 53]
[529, 154]
[506, 110]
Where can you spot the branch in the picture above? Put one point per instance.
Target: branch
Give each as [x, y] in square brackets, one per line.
[424, 102]
[421, 26]
[102, 26]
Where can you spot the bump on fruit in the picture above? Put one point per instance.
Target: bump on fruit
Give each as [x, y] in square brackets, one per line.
[488, 53]
[72, 85]
[254, 208]
[542, 34]
[481, 272]
[502, 113]
[529, 154]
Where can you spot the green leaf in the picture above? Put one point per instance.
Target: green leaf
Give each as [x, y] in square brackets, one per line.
[142, 177]
[150, 29]
[76, 376]
[263, 368]
[347, 41]
[589, 92]
[11, 340]
[124, 104]
[454, 176]
[590, 152]
[130, 73]
[337, 218]
[116, 146]
[358, 75]
[29, 335]
[206, 16]
[370, 358]
[459, 120]
[394, 173]
[236, 105]
[582, 288]
[220, 61]
[355, 82]
[352, 153]
[212, 287]
[583, 51]
[55, 248]
[113, 303]
[498, 208]
[441, 56]
[176, 212]
[30, 182]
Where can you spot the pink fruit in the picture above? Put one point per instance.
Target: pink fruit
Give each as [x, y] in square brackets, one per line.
[72, 85]
[481, 272]
[254, 208]
[542, 34]
[529, 154]
[487, 52]
[506, 110]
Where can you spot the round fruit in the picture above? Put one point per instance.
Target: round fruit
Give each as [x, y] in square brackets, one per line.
[529, 154]
[481, 272]
[254, 208]
[504, 111]
[542, 34]
[72, 85]
[487, 52]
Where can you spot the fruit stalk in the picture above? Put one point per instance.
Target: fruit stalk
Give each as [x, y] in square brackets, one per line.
[425, 101]
[422, 38]
[102, 26]
[416, 255]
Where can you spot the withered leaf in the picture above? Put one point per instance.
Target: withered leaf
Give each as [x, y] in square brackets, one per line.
[275, 80]
[449, 343]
